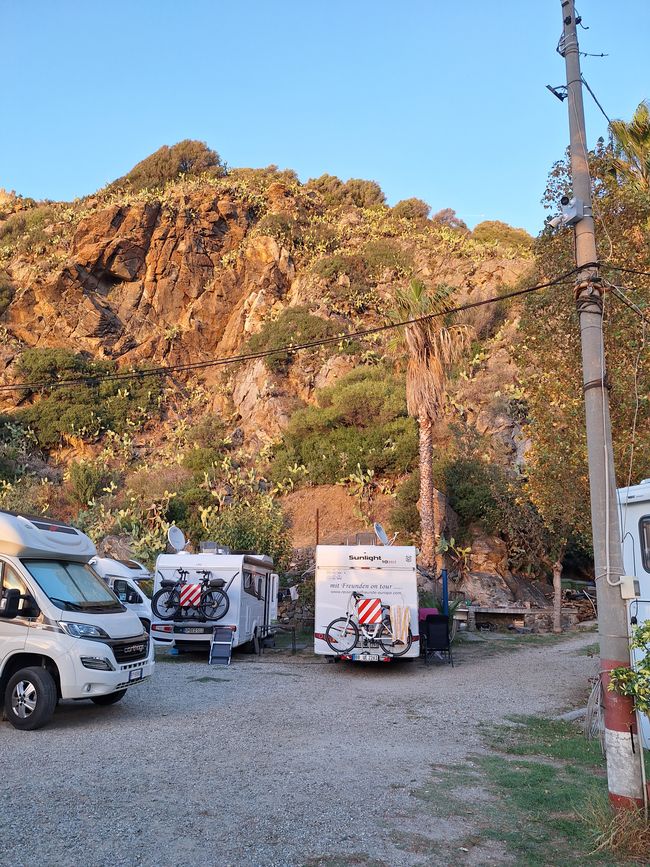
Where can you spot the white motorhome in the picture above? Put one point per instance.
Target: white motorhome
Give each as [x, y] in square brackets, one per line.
[127, 579]
[361, 593]
[634, 511]
[63, 633]
[249, 583]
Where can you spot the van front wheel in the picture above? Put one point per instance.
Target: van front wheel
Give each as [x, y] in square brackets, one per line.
[30, 698]
[111, 698]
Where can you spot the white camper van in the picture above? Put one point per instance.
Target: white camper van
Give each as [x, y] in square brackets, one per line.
[248, 582]
[366, 602]
[63, 632]
[634, 510]
[126, 579]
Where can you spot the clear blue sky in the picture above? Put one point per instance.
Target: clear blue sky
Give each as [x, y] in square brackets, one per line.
[445, 101]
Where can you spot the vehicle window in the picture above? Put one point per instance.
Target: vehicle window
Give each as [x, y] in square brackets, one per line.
[72, 586]
[11, 580]
[250, 584]
[124, 591]
[644, 535]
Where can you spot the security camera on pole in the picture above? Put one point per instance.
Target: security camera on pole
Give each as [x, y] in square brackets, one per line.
[621, 739]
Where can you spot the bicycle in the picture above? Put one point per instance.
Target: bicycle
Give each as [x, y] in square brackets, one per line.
[343, 633]
[213, 603]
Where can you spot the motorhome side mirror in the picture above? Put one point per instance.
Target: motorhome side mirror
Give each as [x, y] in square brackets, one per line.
[9, 604]
[30, 608]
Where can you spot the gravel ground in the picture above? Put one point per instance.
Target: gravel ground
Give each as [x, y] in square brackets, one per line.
[276, 760]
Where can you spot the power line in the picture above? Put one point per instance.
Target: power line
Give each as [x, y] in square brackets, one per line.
[166, 370]
[593, 95]
[626, 270]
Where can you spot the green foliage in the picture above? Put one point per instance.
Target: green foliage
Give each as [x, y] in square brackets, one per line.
[293, 325]
[549, 354]
[635, 682]
[186, 157]
[285, 229]
[487, 495]
[359, 422]
[382, 255]
[87, 478]
[494, 231]
[405, 517]
[84, 411]
[25, 230]
[332, 267]
[256, 524]
[363, 194]
[412, 209]
[6, 291]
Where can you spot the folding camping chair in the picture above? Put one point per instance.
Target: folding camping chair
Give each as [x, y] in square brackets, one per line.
[434, 631]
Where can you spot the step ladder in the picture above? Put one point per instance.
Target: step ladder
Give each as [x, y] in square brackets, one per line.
[221, 646]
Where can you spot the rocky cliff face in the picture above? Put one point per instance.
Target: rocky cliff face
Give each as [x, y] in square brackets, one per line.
[190, 275]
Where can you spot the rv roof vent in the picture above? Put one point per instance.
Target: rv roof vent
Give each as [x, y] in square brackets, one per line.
[365, 539]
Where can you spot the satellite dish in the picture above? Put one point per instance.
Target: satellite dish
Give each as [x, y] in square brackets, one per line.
[381, 534]
[176, 538]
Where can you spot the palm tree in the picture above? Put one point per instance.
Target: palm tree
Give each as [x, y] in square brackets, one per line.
[633, 140]
[433, 347]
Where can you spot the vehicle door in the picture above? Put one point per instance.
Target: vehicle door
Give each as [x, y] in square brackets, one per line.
[129, 595]
[14, 631]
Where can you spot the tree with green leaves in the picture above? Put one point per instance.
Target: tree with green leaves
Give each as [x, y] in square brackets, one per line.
[433, 347]
[632, 140]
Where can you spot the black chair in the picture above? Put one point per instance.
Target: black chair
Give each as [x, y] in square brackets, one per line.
[435, 635]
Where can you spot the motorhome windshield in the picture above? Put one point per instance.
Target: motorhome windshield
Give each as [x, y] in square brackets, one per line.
[72, 586]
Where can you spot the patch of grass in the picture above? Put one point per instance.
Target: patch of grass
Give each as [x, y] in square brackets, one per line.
[538, 736]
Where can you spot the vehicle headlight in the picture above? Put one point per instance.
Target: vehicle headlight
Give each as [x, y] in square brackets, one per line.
[83, 630]
[98, 663]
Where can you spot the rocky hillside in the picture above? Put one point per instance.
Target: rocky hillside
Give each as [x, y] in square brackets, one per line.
[213, 264]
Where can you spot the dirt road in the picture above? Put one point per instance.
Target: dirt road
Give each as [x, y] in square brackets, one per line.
[273, 761]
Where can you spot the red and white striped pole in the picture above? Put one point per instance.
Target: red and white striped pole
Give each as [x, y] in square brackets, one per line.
[624, 751]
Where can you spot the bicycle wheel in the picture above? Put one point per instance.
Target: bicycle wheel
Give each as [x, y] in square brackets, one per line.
[165, 603]
[389, 645]
[342, 635]
[214, 604]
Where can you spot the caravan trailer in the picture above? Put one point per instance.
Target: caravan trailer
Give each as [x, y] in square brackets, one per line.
[361, 594]
[63, 633]
[251, 587]
[634, 511]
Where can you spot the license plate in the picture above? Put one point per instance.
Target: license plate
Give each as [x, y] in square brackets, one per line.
[366, 657]
[194, 629]
[135, 674]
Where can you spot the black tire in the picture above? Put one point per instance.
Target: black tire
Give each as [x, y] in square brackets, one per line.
[111, 698]
[165, 603]
[342, 635]
[30, 698]
[214, 605]
[387, 644]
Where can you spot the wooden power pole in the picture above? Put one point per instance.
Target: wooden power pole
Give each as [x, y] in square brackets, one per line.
[621, 738]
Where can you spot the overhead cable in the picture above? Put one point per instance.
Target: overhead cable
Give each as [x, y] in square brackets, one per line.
[166, 370]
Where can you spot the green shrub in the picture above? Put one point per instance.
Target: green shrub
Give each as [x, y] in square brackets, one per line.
[82, 410]
[501, 233]
[332, 267]
[285, 229]
[201, 460]
[6, 291]
[412, 209]
[405, 517]
[187, 157]
[208, 432]
[361, 420]
[255, 525]
[293, 325]
[363, 194]
[384, 254]
[470, 488]
[87, 480]
[25, 229]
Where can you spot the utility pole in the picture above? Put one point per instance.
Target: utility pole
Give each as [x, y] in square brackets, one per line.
[621, 738]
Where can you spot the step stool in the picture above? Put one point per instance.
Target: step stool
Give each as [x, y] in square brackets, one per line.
[221, 646]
